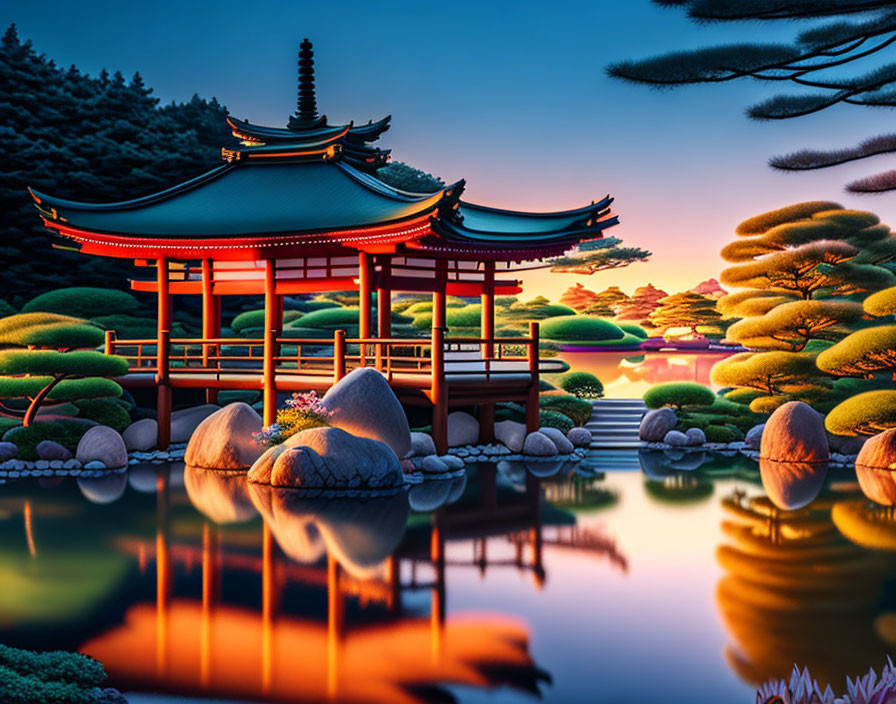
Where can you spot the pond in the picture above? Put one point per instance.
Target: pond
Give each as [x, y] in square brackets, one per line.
[630, 374]
[660, 585]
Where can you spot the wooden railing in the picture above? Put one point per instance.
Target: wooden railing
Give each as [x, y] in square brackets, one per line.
[337, 355]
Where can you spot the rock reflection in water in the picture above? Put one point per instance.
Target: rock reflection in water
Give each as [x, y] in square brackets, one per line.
[103, 490]
[794, 588]
[359, 533]
[222, 496]
[435, 493]
[792, 485]
[672, 476]
[866, 524]
[877, 484]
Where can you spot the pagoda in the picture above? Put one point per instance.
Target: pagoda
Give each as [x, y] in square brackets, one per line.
[298, 210]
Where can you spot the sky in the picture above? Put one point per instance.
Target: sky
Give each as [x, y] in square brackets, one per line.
[511, 96]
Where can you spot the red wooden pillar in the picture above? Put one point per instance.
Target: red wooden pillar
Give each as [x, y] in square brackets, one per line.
[439, 295]
[439, 392]
[487, 317]
[487, 331]
[163, 350]
[532, 409]
[365, 302]
[384, 307]
[211, 324]
[271, 331]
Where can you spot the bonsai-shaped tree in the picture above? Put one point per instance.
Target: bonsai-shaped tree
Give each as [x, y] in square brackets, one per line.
[780, 376]
[869, 351]
[642, 303]
[406, 178]
[51, 364]
[606, 303]
[791, 326]
[598, 255]
[678, 394]
[843, 35]
[688, 310]
[577, 297]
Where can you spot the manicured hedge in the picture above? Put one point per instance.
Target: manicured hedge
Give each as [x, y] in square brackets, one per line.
[12, 327]
[255, 319]
[678, 394]
[83, 301]
[582, 384]
[868, 413]
[105, 411]
[60, 336]
[555, 419]
[313, 305]
[580, 328]
[743, 396]
[67, 433]
[577, 409]
[634, 330]
[132, 327]
[81, 363]
[722, 433]
[66, 390]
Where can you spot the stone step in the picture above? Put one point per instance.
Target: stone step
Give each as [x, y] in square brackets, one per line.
[616, 414]
[614, 444]
[595, 426]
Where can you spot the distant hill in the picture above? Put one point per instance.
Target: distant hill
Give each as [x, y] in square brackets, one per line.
[710, 288]
[86, 138]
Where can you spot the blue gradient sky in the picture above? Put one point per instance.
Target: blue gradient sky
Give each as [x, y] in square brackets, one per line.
[509, 95]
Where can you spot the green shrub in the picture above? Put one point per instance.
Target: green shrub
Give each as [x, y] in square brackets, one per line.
[255, 319]
[8, 423]
[581, 329]
[6, 309]
[82, 301]
[634, 330]
[419, 307]
[313, 305]
[545, 385]
[536, 311]
[555, 419]
[62, 335]
[868, 413]
[469, 316]
[582, 384]
[743, 396]
[330, 318]
[33, 689]
[577, 409]
[67, 433]
[13, 327]
[132, 327]
[721, 433]
[104, 411]
[678, 394]
[722, 407]
[81, 363]
[54, 665]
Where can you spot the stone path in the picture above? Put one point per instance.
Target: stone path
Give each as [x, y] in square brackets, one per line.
[614, 435]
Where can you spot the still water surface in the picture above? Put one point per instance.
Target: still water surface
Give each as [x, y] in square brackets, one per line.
[501, 586]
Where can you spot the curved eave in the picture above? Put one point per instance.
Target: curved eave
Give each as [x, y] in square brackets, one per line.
[584, 211]
[318, 130]
[297, 145]
[249, 246]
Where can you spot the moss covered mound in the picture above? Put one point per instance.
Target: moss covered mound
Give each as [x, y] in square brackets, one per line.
[864, 414]
[83, 301]
[583, 330]
[679, 394]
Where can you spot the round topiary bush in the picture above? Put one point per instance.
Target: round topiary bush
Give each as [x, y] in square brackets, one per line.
[582, 385]
[255, 319]
[864, 414]
[105, 411]
[634, 330]
[82, 301]
[554, 419]
[581, 330]
[678, 394]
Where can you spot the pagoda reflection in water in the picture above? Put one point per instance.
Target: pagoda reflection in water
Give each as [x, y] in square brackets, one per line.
[338, 617]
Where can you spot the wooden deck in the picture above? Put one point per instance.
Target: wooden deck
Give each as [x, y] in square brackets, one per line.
[438, 370]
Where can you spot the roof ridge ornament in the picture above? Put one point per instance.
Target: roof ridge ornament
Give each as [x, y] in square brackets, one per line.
[306, 103]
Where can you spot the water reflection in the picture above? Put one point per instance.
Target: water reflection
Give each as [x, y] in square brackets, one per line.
[103, 490]
[792, 485]
[222, 496]
[877, 484]
[796, 591]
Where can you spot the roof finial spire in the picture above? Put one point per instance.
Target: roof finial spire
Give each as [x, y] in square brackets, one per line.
[307, 103]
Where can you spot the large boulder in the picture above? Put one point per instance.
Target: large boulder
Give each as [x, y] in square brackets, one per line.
[795, 433]
[695, 436]
[676, 438]
[876, 468]
[753, 439]
[563, 445]
[463, 429]
[224, 440]
[50, 450]
[580, 437]
[363, 404]
[185, 421]
[655, 424]
[102, 444]
[422, 445]
[329, 459]
[141, 435]
[8, 451]
[879, 451]
[538, 444]
[511, 434]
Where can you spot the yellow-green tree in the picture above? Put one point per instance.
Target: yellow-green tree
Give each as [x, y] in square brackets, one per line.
[684, 310]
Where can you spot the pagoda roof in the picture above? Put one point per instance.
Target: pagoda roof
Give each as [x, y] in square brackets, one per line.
[480, 222]
[244, 199]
